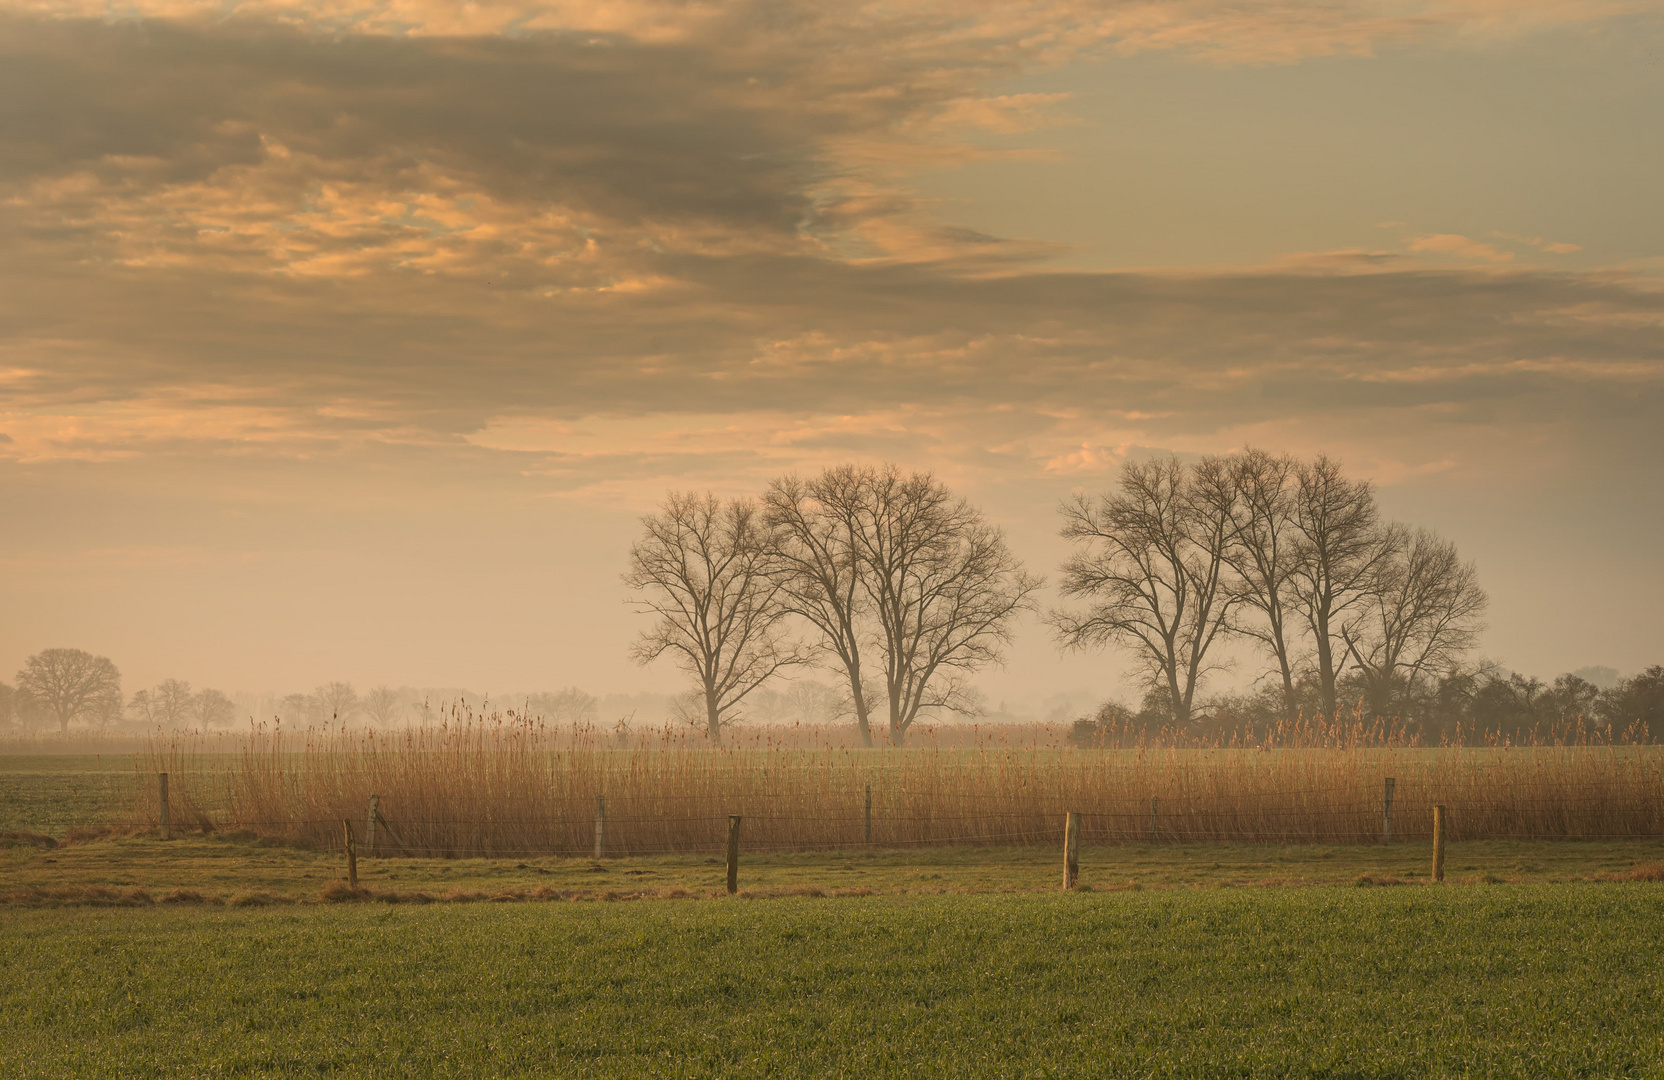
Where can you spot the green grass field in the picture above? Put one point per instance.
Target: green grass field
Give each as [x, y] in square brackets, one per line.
[1507, 980]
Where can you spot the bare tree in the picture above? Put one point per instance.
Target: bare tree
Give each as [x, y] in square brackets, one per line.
[383, 706]
[706, 569]
[336, 701]
[821, 571]
[170, 703]
[1341, 550]
[944, 588]
[1150, 560]
[212, 708]
[567, 705]
[1264, 552]
[69, 684]
[1420, 616]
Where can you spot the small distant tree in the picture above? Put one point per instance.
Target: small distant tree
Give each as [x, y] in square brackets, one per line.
[295, 709]
[1637, 700]
[69, 684]
[383, 706]
[566, 706]
[141, 707]
[171, 703]
[336, 701]
[704, 569]
[212, 708]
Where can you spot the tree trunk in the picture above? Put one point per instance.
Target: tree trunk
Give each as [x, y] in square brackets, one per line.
[898, 733]
[861, 720]
[713, 720]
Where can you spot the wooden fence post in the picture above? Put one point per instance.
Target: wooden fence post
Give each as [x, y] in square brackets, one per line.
[869, 815]
[162, 819]
[733, 854]
[1438, 843]
[1386, 812]
[600, 826]
[1155, 803]
[352, 855]
[370, 824]
[1071, 849]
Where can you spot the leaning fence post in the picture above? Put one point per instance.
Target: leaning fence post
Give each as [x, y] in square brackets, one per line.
[1155, 803]
[1386, 813]
[869, 815]
[162, 815]
[1071, 849]
[733, 854]
[1438, 843]
[600, 825]
[370, 825]
[352, 856]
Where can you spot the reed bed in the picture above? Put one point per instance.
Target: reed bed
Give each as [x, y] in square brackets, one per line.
[505, 786]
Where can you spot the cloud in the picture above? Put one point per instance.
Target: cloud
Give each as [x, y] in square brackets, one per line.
[1460, 246]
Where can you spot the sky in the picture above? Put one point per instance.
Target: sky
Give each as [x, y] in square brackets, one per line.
[351, 340]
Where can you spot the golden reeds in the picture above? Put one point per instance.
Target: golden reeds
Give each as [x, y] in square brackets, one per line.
[503, 786]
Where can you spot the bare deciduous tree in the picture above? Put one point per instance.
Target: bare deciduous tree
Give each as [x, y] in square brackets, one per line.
[69, 684]
[706, 569]
[170, 703]
[1150, 562]
[336, 701]
[1341, 550]
[1421, 614]
[822, 576]
[212, 708]
[567, 705]
[1264, 551]
[944, 588]
[383, 706]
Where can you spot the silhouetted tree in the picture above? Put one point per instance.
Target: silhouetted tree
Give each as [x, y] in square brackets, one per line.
[70, 684]
[212, 708]
[944, 587]
[1341, 549]
[383, 706]
[170, 703]
[336, 701]
[1418, 616]
[1263, 548]
[705, 569]
[1150, 562]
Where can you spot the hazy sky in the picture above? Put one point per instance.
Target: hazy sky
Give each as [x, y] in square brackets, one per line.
[349, 340]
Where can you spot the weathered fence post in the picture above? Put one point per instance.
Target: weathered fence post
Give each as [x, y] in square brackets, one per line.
[1155, 803]
[352, 855]
[1386, 812]
[1071, 849]
[370, 825]
[733, 854]
[600, 825]
[869, 815]
[1438, 843]
[162, 820]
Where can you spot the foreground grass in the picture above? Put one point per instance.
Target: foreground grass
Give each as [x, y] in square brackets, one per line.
[1539, 981]
[52, 794]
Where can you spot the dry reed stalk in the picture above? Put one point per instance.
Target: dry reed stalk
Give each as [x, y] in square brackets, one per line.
[494, 786]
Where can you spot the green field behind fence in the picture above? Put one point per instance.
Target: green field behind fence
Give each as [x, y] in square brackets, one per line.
[1503, 981]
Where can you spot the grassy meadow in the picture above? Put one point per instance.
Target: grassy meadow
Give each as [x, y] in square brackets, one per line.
[1527, 980]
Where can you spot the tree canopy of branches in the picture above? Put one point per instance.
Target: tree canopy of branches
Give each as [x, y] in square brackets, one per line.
[70, 684]
[336, 701]
[1150, 563]
[1341, 552]
[819, 562]
[705, 569]
[1421, 614]
[1263, 551]
[891, 566]
[383, 706]
[945, 590]
[212, 708]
